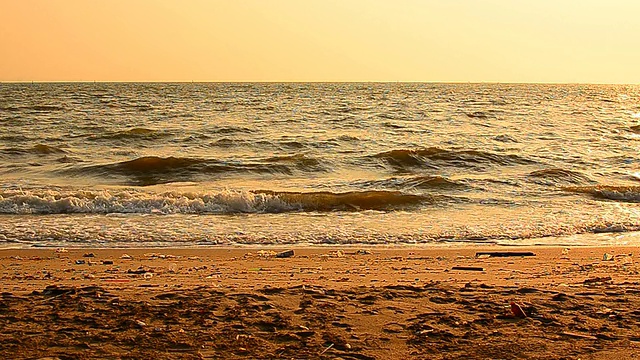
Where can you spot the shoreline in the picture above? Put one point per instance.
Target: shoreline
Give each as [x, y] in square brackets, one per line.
[598, 239]
[323, 302]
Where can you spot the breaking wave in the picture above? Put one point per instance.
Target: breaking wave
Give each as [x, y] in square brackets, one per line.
[223, 202]
[609, 192]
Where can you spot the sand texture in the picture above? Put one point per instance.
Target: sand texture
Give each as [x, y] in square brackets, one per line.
[321, 303]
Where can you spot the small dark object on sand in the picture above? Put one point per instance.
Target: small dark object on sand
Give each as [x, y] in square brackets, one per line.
[505, 253]
[468, 268]
[517, 310]
[285, 254]
[55, 290]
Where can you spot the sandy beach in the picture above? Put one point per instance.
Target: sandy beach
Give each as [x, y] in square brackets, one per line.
[348, 303]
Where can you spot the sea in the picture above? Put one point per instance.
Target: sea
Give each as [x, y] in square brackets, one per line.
[350, 164]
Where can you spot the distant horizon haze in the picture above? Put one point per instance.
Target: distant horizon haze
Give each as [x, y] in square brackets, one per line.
[434, 41]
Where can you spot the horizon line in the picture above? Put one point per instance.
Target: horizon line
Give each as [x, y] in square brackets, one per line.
[299, 82]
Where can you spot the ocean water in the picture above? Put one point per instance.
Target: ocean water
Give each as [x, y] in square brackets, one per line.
[188, 164]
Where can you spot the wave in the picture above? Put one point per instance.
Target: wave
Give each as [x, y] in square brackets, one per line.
[299, 161]
[40, 108]
[68, 160]
[232, 130]
[431, 182]
[479, 115]
[138, 133]
[392, 125]
[15, 138]
[291, 145]
[505, 138]
[418, 182]
[228, 143]
[609, 192]
[152, 170]
[346, 138]
[223, 202]
[38, 149]
[350, 201]
[46, 149]
[434, 157]
[44, 108]
[558, 177]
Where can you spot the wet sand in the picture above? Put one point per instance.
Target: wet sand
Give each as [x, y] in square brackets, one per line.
[348, 303]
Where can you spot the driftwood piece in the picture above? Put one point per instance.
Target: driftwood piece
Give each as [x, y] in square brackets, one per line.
[505, 253]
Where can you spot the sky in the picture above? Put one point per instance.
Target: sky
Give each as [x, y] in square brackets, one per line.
[539, 41]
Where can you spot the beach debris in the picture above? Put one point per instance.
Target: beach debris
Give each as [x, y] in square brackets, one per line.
[80, 262]
[327, 349]
[607, 257]
[89, 255]
[597, 279]
[578, 336]
[285, 254]
[393, 327]
[468, 268]
[565, 251]
[141, 323]
[147, 275]
[336, 254]
[625, 259]
[138, 271]
[61, 250]
[363, 252]
[560, 297]
[517, 311]
[107, 262]
[55, 290]
[505, 253]
[161, 256]
[126, 257]
[262, 254]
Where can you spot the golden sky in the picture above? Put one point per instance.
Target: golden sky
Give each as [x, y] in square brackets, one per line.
[587, 41]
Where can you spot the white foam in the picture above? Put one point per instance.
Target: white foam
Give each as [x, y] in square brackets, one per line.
[138, 202]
